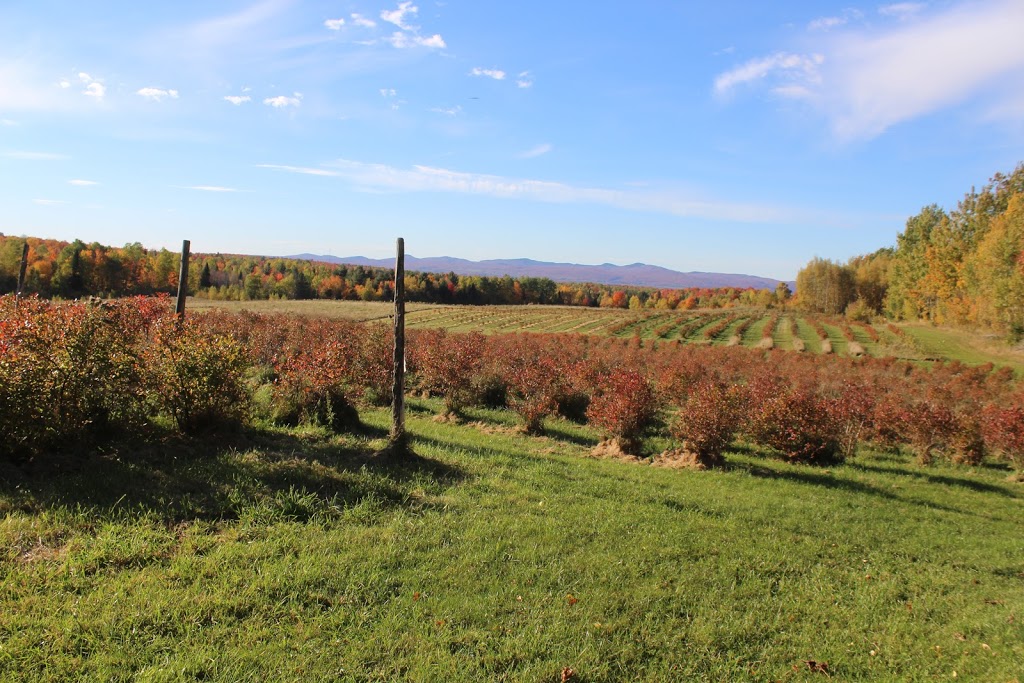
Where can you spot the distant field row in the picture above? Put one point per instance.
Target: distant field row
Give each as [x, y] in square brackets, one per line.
[791, 331]
[720, 327]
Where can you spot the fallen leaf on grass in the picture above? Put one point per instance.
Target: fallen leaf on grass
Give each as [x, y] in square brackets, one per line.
[571, 599]
[818, 667]
[567, 674]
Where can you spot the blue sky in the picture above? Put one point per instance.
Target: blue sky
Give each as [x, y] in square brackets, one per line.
[718, 136]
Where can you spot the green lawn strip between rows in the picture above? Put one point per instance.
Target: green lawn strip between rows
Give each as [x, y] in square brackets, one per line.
[284, 555]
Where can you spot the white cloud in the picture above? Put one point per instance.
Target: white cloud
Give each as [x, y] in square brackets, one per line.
[235, 28]
[388, 92]
[284, 101]
[93, 86]
[237, 99]
[435, 41]
[377, 177]
[451, 111]
[300, 169]
[789, 66]
[971, 50]
[496, 74]
[827, 23]
[49, 202]
[525, 80]
[36, 156]
[407, 40]
[82, 183]
[8, 122]
[64, 83]
[901, 10]
[869, 80]
[397, 16]
[156, 94]
[360, 20]
[537, 151]
[334, 24]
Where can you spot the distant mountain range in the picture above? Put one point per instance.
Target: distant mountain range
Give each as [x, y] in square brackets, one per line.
[637, 274]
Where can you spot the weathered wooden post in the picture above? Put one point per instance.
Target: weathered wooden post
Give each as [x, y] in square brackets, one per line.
[179, 308]
[398, 439]
[24, 267]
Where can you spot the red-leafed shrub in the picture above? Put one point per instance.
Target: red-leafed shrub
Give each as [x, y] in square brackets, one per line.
[929, 427]
[534, 377]
[851, 409]
[709, 419]
[966, 443]
[623, 405]
[446, 364]
[1003, 429]
[373, 374]
[69, 374]
[309, 378]
[798, 424]
[195, 377]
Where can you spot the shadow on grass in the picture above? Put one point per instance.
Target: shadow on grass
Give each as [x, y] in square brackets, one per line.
[979, 486]
[804, 474]
[224, 477]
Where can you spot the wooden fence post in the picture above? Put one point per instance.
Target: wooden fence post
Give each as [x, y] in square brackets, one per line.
[21, 272]
[397, 438]
[179, 308]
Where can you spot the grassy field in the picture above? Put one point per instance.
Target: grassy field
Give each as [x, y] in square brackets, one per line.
[964, 346]
[922, 342]
[292, 555]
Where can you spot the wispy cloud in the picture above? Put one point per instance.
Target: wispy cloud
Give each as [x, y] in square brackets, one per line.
[49, 202]
[233, 28]
[525, 80]
[334, 24]
[82, 183]
[237, 99]
[303, 170]
[789, 67]
[537, 151]
[360, 20]
[284, 101]
[408, 40]
[93, 86]
[925, 65]
[901, 10]
[869, 80]
[36, 156]
[8, 122]
[449, 111]
[377, 177]
[828, 23]
[156, 94]
[397, 16]
[496, 74]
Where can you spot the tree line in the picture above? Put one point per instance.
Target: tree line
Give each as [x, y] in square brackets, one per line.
[964, 266]
[70, 270]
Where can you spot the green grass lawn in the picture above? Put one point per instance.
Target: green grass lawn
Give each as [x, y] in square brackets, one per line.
[291, 555]
[965, 346]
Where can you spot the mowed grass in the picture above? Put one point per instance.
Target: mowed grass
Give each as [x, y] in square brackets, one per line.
[965, 346]
[291, 555]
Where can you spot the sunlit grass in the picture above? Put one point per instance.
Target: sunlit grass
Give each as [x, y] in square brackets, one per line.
[292, 555]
